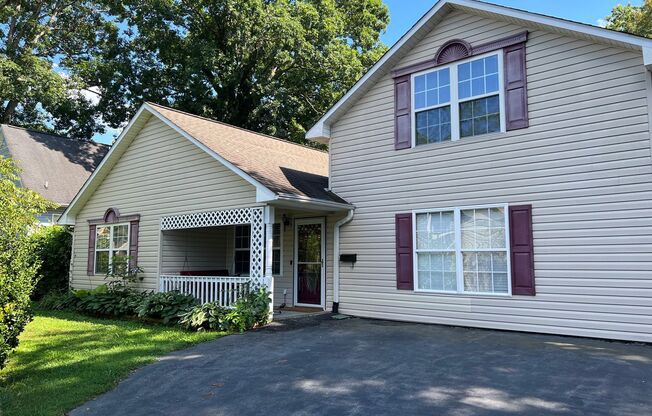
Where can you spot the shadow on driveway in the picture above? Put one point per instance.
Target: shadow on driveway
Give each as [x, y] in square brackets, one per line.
[319, 366]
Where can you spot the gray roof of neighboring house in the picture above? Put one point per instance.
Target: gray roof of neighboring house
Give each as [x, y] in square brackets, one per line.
[54, 166]
[282, 166]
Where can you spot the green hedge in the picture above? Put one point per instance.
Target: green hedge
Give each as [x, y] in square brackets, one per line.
[52, 249]
[170, 308]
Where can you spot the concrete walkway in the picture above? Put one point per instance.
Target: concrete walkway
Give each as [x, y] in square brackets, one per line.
[319, 366]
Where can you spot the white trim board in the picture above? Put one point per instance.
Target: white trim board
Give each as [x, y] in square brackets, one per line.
[321, 131]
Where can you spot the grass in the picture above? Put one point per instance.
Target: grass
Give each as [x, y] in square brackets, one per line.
[65, 359]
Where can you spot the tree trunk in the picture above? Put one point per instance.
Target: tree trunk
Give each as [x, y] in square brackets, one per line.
[9, 111]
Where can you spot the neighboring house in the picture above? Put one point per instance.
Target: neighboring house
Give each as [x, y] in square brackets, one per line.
[54, 166]
[493, 169]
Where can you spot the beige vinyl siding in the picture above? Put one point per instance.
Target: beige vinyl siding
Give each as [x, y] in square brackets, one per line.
[161, 173]
[584, 164]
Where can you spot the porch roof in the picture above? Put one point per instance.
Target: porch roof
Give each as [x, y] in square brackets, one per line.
[283, 167]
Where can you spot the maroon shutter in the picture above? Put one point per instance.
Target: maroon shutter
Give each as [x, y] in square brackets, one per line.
[522, 248]
[402, 122]
[404, 254]
[516, 113]
[90, 264]
[133, 243]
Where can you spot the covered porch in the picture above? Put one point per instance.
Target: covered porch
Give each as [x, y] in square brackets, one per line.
[219, 256]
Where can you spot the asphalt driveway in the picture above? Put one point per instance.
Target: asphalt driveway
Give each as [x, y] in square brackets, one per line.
[319, 366]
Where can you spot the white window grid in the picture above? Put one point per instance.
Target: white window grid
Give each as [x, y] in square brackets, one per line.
[111, 249]
[455, 101]
[459, 265]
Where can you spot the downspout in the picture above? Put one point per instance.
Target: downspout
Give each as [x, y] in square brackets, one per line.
[336, 259]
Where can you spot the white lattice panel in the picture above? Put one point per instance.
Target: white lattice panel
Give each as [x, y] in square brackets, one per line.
[208, 219]
[257, 270]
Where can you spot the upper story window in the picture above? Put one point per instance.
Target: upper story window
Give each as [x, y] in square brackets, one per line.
[111, 240]
[460, 100]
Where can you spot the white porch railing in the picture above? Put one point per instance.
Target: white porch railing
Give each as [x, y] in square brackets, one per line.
[223, 290]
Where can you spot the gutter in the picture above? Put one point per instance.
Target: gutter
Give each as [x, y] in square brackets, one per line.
[336, 259]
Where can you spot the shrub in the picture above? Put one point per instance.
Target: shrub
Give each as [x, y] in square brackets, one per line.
[248, 312]
[52, 248]
[58, 301]
[167, 306]
[209, 316]
[18, 210]
[116, 301]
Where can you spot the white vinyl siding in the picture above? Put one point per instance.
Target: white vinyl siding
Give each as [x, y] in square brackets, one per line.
[584, 164]
[161, 173]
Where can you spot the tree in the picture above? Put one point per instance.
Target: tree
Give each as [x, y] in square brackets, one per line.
[18, 210]
[273, 66]
[42, 45]
[636, 20]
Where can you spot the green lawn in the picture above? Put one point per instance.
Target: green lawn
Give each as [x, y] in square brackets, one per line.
[65, 359]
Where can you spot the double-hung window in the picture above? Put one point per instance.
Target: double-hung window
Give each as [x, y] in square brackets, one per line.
[459, 100]
[110, 241]
[276, 249]
[462, 250]
[242, 255]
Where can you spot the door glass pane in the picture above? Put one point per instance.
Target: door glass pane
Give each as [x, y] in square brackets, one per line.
[309, 243]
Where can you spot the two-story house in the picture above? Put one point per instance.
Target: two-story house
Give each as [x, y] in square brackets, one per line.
[493, 169]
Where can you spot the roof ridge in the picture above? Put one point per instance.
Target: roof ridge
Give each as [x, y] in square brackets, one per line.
[237, 127]
[53, 134]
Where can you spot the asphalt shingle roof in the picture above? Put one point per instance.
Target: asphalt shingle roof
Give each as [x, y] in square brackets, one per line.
[280, 165]
[56, 167]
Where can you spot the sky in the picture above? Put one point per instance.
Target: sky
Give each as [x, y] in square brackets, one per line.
[404, 13]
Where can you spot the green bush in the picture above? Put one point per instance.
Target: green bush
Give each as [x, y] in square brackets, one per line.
[167, 306]
[249, 312]
[19, 208]
[58, 301]
[209, 316]
[52, 248]
[116, 301]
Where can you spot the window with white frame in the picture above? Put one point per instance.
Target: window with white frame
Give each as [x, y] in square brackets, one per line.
[242, 247]
[462, 250]
[110, 241]
[460, 100]
[276, 249]
[242, 256]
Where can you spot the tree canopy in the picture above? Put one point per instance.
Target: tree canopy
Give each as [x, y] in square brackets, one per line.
[636, 20]
[273, 66]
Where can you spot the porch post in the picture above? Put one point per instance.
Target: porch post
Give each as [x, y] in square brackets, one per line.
[269, 253]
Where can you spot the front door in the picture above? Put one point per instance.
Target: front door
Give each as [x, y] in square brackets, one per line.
[309, 261]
